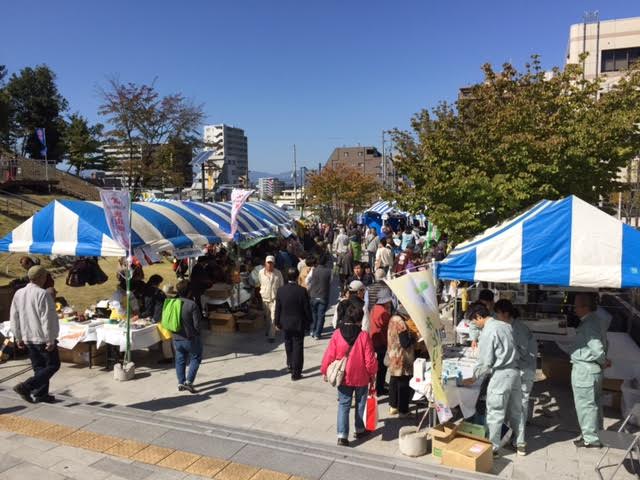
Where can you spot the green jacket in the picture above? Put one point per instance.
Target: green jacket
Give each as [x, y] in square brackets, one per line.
[496, 347]
[588, 347]
[526, 345]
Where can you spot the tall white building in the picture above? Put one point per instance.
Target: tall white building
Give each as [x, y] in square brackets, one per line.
[229, 152]
[611, 46]
[269, 187]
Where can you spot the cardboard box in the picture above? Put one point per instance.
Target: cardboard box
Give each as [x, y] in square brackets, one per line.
[441, 435]
[472, 430]
[557, 369]
[612, 384]
[80, 354]
[249, 325]
[468, 454]
[611, 399]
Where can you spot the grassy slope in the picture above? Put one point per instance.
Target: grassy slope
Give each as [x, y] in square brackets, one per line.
[81, 297]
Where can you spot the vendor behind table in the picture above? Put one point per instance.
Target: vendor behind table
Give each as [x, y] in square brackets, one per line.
[498, 356]
[486, 297]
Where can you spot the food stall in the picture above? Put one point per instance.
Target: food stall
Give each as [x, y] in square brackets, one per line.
[80, 229]
[555, 247]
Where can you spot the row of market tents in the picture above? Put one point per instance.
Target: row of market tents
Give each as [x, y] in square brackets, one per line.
[79, 228]
[566, 242]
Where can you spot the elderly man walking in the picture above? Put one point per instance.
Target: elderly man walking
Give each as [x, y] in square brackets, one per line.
[270, 280]
[35, 326]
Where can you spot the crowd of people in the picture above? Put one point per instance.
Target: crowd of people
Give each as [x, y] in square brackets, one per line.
[292, 280]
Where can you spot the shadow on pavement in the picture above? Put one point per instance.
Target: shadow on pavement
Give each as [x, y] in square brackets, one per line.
[7, 410]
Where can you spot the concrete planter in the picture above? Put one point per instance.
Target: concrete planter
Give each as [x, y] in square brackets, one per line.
[123, 373]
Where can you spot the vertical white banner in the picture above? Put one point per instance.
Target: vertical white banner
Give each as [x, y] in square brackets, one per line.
[116, 204]
[238, 198]
[417, 293]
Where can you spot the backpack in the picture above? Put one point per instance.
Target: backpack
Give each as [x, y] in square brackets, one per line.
[172, 314]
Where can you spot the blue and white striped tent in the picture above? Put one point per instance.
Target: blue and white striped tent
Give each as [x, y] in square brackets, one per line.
[73, 227]
[255, 219]
[383, 206]
[566, 242]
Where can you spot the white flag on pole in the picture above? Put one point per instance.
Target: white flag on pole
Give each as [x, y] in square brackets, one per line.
[116, 204]
[238, 198]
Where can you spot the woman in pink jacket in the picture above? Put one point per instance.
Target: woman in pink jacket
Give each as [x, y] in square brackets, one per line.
[361, 370]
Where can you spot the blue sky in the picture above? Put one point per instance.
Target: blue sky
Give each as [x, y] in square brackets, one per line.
[317, 73]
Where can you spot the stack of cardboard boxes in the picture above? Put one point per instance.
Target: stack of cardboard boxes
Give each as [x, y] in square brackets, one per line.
[462, 446]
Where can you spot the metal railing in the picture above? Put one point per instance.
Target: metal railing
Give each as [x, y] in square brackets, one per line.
[25, 169]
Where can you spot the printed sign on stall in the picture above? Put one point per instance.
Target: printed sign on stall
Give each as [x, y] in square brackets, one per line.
[417, 293]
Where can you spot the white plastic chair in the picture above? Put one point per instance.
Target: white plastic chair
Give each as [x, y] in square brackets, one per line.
[620, 440]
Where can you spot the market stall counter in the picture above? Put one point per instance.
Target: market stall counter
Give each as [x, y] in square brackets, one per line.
[457, 365]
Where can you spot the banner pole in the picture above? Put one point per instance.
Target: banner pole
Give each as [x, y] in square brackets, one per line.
[127, 353]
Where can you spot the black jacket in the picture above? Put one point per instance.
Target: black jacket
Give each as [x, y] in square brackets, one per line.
[190, 320]
[293, 311]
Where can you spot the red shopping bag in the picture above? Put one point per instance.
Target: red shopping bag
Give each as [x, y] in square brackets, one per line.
[371, 412]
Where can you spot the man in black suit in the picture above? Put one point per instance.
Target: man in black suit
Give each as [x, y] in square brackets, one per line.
[293, 316]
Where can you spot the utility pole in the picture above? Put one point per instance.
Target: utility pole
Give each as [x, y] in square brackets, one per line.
[384, 164]
[202, 183]
[295, 183]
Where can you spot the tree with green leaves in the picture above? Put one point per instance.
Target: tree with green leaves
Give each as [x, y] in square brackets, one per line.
[148, 127]
[35, 102]
[336, 193]
[5, 144]
[514, 139]
[83, 143]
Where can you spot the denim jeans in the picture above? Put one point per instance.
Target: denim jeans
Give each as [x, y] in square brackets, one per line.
[187, 348]
[45, 365]
[318, 310]
[345, 393]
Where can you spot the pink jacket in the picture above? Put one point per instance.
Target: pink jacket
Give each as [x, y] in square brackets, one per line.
[362, 364]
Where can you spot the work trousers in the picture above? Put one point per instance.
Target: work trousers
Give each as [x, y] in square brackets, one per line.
[587, 387]
[526, 380]
[45, 364]
[293, 346]
[504, 403]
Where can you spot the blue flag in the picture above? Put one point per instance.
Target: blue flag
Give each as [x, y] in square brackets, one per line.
[43, 141]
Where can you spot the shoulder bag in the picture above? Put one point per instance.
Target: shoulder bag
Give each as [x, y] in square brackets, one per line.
[337, 369]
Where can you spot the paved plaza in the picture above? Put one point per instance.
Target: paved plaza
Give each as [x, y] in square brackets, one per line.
[244, 387]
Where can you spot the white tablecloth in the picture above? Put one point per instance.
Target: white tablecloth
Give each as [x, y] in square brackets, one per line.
[71, 333]
[116, 335]
[465, 397]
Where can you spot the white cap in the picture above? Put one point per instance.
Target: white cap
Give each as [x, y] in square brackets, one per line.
[356, 286]
[270, 258]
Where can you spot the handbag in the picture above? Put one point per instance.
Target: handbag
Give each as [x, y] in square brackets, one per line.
[406, 339]
[371, 412]
[337, 370]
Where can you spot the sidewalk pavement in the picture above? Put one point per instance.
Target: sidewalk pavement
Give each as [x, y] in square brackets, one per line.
[71, 439]
[243, 384]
